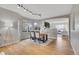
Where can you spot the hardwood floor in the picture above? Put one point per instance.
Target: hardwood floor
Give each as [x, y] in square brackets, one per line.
[27, 47]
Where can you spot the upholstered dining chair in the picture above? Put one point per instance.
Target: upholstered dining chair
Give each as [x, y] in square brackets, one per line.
[41, 37]
[32, 36]
[37, 34]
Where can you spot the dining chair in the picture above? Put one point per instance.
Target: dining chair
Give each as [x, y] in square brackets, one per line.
[32, 36]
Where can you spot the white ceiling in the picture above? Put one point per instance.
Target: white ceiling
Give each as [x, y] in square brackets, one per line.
[46, 10]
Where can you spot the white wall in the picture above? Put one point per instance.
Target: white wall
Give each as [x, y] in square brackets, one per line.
[9, 27]
[57, 21]
[75, 28]
[26, 23]
[17, 21]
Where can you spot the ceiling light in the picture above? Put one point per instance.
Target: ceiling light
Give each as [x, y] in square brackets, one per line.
[35, 24]
[25, 9]
[18, 6]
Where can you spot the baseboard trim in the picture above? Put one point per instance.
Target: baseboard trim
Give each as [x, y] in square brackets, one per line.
[9, 43]
[73, 48]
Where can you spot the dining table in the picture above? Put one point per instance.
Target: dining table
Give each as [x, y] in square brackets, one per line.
[40, 36]
[44, 36]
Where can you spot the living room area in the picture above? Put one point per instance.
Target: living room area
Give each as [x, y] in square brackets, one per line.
[27, 29]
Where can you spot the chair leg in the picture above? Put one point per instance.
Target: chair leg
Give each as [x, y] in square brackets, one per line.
[34, 39]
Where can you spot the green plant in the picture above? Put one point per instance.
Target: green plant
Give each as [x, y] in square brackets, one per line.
[47, 25]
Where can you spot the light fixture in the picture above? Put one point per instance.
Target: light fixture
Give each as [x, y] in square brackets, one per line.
[35, 24]
[25, 9]
[18, 6]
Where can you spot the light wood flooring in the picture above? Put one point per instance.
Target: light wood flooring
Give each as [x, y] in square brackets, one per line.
[27, 47]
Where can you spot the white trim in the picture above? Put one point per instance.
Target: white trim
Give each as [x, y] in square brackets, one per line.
[9, 43]
[73, 48]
